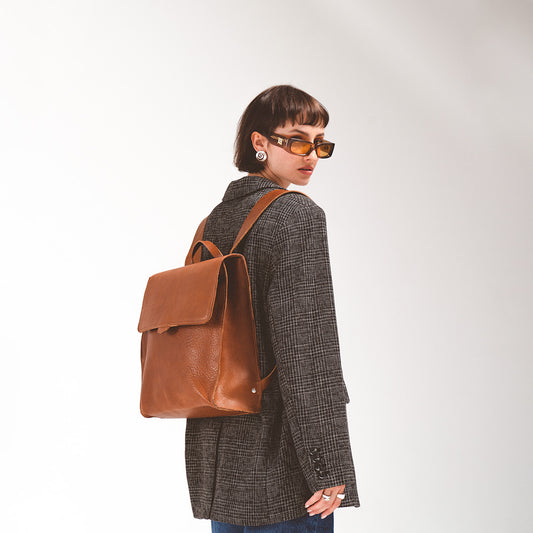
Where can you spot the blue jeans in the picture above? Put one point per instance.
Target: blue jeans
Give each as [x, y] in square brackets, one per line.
[305, 524]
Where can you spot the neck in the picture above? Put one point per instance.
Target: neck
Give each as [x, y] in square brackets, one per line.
[269, 176]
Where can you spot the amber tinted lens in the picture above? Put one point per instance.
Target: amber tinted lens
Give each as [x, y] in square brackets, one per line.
[301, 147]
[324, 150]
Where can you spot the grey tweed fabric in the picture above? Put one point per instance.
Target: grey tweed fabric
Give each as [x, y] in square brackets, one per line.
[261, 469]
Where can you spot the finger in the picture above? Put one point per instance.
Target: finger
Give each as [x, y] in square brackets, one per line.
[316, 497]
[331, 509]
[328, 506]
[321, 505]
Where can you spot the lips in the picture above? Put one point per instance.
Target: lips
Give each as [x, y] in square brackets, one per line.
[306, 171]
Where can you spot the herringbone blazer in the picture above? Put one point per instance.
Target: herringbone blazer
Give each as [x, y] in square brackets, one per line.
[261, 468]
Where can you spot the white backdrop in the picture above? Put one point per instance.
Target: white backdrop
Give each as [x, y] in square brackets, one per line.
[117, 122]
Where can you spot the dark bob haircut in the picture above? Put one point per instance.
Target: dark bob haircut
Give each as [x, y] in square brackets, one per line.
[270, 109]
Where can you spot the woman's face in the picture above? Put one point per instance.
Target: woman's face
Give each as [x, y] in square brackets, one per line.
[284, 167]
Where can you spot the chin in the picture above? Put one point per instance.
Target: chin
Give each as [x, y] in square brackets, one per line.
[301, 180]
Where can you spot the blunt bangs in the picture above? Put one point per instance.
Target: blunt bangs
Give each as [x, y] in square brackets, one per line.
[295, 107]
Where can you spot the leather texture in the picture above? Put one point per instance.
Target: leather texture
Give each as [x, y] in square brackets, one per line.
[261, 468]
[198, 346]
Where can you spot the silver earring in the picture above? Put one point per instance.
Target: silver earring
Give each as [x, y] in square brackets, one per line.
[261, 155]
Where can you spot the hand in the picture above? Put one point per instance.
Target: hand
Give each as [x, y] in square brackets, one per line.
[316, 504]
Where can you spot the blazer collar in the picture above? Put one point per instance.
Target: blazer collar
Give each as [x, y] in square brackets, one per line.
[247, 185]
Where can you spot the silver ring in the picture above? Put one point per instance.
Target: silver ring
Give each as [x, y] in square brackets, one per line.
[341, 496]
[326, 497]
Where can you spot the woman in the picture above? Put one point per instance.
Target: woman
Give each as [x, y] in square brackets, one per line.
[290, 466]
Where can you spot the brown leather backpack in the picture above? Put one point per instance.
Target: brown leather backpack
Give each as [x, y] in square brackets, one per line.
[198, 345]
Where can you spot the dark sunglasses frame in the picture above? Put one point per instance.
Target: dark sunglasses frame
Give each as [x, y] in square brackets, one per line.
[286, 143]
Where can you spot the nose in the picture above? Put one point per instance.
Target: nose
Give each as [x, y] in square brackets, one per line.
[312, 156]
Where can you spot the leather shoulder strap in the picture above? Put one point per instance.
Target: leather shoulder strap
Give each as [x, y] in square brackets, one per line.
[256, 211]
[250, 220]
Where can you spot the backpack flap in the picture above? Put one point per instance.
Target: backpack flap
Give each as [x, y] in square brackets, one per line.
[181, 296]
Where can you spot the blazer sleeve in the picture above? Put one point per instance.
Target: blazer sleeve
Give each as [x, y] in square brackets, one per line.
[303, 328]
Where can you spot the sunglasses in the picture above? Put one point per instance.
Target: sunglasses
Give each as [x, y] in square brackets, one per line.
[296, 146]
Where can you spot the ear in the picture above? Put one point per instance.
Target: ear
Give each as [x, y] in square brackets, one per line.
[259, 142]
